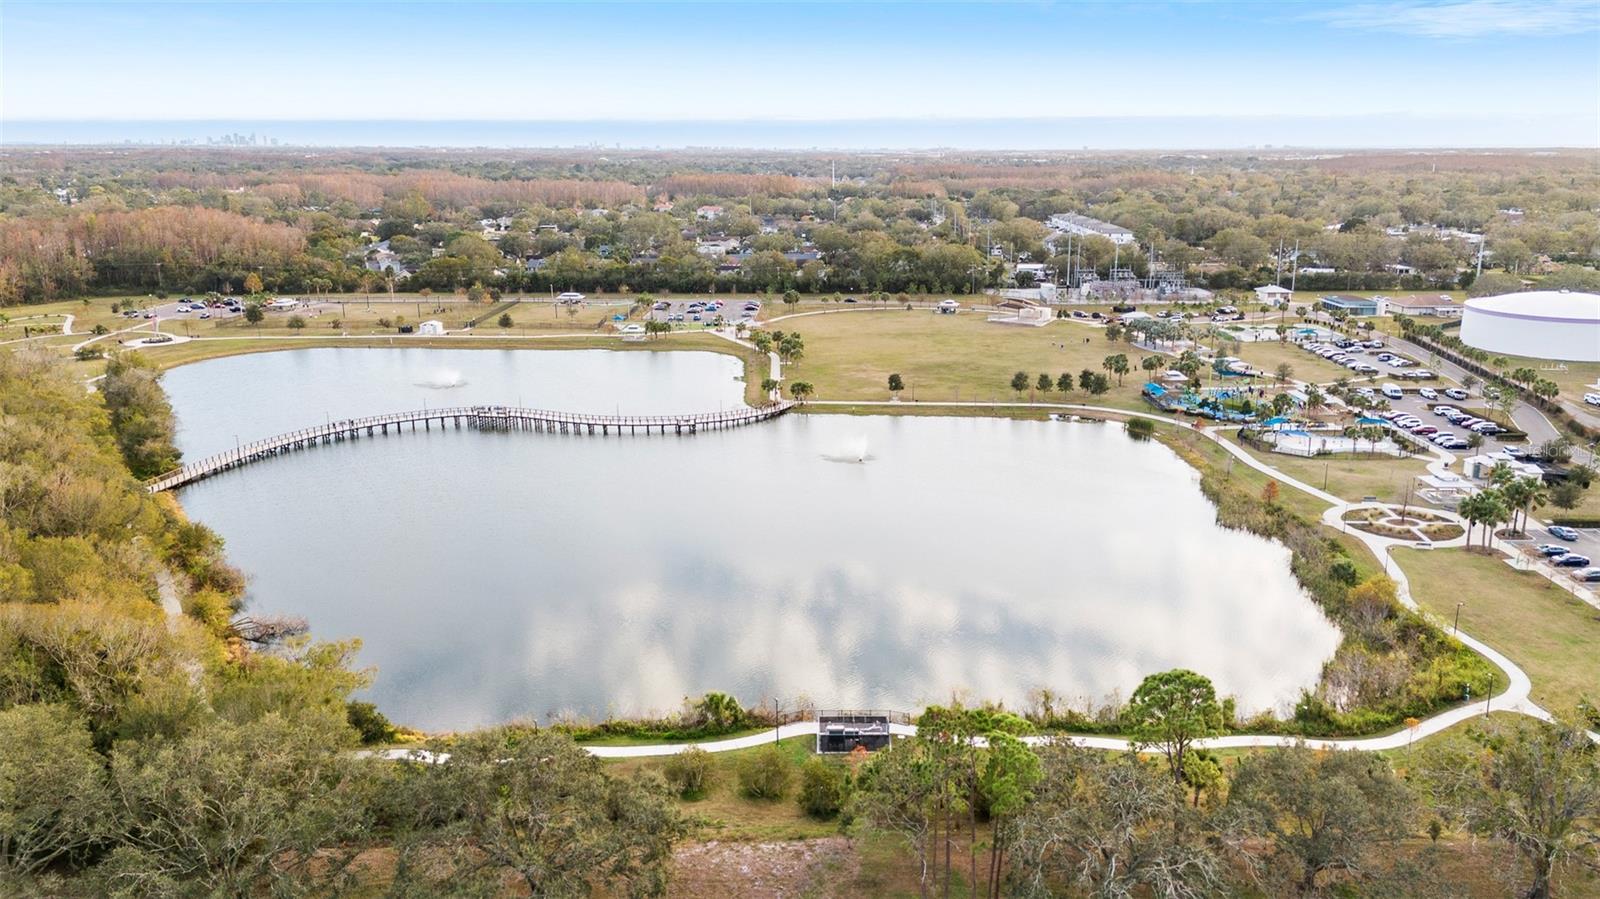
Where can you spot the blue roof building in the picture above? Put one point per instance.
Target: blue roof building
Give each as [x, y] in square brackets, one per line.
[1349, 305]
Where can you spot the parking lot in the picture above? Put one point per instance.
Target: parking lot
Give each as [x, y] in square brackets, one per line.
[1587, 545]
[168, 310]
[704, 313]
[1367, 353]
[1415, 404]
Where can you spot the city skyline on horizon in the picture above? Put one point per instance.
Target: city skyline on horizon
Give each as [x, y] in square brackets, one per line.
[1415, 73]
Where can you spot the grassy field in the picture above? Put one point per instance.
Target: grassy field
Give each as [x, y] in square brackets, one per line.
[1347, 476]
[849, 356]
[1549, 633]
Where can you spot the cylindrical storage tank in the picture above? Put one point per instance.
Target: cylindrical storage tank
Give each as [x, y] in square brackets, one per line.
[1539, 324]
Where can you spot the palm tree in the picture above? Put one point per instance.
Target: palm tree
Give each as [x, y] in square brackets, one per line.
[1486, 508]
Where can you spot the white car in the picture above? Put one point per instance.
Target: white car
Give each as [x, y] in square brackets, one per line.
[1456, 393]
[1428, 393]
[634, 328]
[1592, 399]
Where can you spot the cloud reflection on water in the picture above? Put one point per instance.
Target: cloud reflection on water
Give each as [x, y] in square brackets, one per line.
[502, 576]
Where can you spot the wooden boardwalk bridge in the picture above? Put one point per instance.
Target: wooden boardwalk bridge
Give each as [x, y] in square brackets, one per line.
[485, 418]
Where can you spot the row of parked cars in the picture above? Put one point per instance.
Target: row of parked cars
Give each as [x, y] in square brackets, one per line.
[708, 311]
[1438, 436]
[1408, 422]
[1562, 557]
[1347, 353]
[1351, 355]
[1471, 422]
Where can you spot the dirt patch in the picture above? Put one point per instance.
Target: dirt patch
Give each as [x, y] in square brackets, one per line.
[763, 870]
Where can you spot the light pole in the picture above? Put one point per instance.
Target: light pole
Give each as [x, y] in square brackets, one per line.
[1456, 628]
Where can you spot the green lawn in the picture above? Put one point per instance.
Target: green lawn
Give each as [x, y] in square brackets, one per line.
[1348, 476]
[964, 358]
[1552, 635]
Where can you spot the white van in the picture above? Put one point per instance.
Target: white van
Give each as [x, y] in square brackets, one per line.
[1393, 391]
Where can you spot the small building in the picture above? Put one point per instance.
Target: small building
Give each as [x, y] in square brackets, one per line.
[1349, 305]
[1423, 304]
[1273, 295]
[1072, 223]
[431, 328]
[844, 731]
[1022, 312]
[283, 304]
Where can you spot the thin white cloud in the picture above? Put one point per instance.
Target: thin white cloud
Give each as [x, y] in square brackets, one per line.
[1467, 18]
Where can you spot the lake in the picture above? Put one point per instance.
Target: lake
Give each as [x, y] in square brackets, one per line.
[853, 561]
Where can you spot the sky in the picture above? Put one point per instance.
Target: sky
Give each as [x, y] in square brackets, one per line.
[1490, 72]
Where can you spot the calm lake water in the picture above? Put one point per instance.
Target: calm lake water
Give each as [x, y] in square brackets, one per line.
[855, 561]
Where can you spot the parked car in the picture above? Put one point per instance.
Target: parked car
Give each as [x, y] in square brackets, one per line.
[1551, 549]
[1425, 431]
[1588, 575]
[1456, 393]
[1562, 532]
[1592, 399]
[1572, 560]
[1428, 393]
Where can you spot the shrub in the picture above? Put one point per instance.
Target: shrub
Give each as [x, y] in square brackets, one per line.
[766, 774]
[368, 722]
[505, 320]
[85, 353]
[824, 788]
[689, 772]
[297, 322]
[1141, 428]
[1344, 571]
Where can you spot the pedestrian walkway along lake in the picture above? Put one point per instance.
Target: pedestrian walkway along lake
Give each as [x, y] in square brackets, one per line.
[853, 561]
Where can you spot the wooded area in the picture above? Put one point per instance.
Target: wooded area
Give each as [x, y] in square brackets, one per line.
[72, 221]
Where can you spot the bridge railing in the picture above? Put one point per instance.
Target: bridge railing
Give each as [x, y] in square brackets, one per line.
[247, 451]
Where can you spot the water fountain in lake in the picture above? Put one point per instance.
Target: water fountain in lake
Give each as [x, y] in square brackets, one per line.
[854, 452]
[443, 379]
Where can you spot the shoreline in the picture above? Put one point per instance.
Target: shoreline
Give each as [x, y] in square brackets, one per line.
[1514, 696]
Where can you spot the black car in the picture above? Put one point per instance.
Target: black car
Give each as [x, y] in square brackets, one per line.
[1573, 560]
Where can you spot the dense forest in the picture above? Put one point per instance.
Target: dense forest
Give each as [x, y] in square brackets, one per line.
[76, 221]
